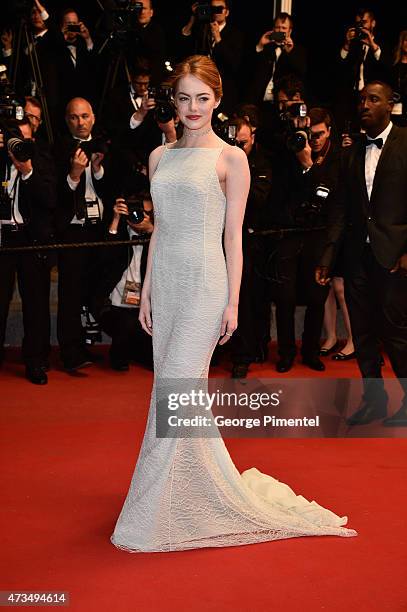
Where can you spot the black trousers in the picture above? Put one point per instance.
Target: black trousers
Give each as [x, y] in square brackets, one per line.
[129, 340]
[377, 303]
[33, 276]
[296, 258]
[78, 270]
[254, 319]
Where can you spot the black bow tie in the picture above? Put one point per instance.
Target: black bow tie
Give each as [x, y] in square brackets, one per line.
[378, 142]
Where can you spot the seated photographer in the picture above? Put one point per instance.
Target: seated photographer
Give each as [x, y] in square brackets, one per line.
[251, 338]
[83, 194]
[276, 56]
[27, 203]
[208, 32]
[121, 280]
[303, 179]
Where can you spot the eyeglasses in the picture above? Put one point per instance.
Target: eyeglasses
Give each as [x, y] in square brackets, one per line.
[30, 117]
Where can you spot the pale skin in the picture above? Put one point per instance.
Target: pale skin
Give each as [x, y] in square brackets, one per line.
[195, 102]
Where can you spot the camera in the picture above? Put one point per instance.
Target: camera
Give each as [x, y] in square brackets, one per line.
[72, 27]
[359, 33]
[164, 110]
[204, 11]
[277, 37]
[225, 129]
[135, 207]
[309, 211]
[12, 111]
[297, 137]
[95, 145]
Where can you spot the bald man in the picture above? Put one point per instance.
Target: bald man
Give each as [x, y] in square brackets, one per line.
[83, 193]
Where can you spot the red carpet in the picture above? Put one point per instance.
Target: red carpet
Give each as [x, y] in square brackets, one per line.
[68, 451]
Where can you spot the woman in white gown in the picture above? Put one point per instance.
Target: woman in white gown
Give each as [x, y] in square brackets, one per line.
[186, 492]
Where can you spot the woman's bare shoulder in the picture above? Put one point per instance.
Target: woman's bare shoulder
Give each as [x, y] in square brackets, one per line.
[234, 155]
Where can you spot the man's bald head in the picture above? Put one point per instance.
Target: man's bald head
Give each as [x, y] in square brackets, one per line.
[79, 118]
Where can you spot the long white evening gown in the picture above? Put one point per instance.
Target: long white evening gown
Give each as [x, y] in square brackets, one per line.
[186, 492]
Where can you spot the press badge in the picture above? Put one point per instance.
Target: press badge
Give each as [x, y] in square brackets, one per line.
[131, 293]
[92, 211]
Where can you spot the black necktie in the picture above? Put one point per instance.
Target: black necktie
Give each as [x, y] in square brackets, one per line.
[378, 142]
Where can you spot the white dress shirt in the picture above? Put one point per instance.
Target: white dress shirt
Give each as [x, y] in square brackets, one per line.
[90, 192]
[13, 189]
[372, 157]
[377, 53]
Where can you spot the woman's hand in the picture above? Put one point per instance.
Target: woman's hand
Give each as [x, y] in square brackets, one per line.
[229, 323]
[145, 314]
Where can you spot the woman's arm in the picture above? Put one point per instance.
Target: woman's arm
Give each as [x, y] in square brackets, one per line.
[145, 299]
[237, 190]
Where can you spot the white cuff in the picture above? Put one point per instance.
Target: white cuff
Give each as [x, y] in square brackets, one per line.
[72, 184]
[27, 176]
[377, 54]
[134, 123]
[89, 46]
[259, 49]
[99, 175]
[44, 15]
[7, 52]
[344, 53]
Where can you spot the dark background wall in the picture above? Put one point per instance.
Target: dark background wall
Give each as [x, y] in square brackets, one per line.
[319, 26]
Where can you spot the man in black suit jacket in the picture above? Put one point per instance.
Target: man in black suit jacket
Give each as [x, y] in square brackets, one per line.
[371, 205]
[223, 42]
[362, 59]
[84, 196]
[275, 59]
[31, 189]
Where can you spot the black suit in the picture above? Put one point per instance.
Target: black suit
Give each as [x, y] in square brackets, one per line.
[78, 268]
[263, 64]
[129, 145]
[227, 55]
[377, 299]
[36, 203]
[348, 75]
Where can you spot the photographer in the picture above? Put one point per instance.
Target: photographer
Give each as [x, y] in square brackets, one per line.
[305, 175]
[253, 334]
[132, 119]
[84, 191]
[277, 56]
[76, 60]
[27, 203]
[361, 59]
[122, 276]
[208, 32]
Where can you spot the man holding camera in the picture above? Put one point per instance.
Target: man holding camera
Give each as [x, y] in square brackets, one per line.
[208, 32]
[27, 204]
[118, 293]
[277, 56]
[305, 168]
[362, 59]
[83, 196]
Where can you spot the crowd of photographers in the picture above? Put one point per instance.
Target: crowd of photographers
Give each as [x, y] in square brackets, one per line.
[81, 111]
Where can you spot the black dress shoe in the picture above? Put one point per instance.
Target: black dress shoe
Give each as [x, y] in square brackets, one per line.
[240, 370]
[285, 364]
[72, 366]
[343, 356]
[367, 413]
[93, 357]
[36, 375]
[324, 352]
[399, 419]
[314, 363]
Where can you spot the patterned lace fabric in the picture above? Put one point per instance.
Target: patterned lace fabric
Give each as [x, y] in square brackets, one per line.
[187, 493]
